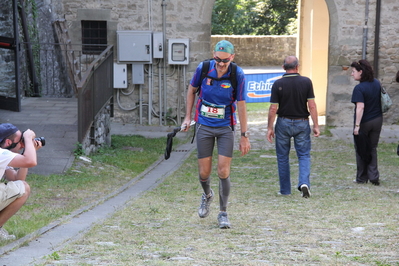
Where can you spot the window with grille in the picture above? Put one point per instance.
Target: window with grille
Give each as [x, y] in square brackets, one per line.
[94, 36]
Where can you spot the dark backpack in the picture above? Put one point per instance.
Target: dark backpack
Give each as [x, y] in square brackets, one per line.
[232, 78]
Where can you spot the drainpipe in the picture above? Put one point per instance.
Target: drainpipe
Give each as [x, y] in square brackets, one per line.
[377, 37]
[365, 31]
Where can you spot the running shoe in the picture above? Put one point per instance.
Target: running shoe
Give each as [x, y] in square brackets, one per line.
[203, 210]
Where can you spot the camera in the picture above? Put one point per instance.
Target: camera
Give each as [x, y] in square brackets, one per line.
[42, 140]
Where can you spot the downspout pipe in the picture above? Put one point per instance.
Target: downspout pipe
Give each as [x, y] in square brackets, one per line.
[377, 37]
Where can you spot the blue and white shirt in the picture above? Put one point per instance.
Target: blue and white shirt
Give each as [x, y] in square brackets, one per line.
[218, 92]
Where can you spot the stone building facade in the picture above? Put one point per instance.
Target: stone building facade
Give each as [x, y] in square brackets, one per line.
[192, 20]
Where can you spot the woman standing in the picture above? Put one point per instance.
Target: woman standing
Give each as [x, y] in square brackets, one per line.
[367, 121]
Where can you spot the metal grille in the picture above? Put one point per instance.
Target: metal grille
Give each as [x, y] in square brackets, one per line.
[94, 36]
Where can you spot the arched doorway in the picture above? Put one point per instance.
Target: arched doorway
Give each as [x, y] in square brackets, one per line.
[312, 47]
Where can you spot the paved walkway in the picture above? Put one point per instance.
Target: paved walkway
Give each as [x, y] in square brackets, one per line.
[56, 120]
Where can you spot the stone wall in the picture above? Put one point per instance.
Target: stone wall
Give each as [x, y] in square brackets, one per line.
[102, 132]
[259, 50]
[347, 23]
[7, 62]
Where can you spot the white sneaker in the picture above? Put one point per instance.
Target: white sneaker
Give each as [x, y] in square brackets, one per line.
[305, 191]
[4, 235]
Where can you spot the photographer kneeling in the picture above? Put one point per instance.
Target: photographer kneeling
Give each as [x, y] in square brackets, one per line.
[14, 191]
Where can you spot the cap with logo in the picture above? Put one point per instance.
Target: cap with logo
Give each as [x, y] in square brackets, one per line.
[224, 46]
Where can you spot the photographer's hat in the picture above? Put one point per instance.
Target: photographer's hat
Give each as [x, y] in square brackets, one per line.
[6, 130]
[224, 46]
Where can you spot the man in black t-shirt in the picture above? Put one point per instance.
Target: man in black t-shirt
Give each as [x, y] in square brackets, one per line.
[292, 100]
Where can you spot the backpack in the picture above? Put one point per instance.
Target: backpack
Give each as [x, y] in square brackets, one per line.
[204, 74]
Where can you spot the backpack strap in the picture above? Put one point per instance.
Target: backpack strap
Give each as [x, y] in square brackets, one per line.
[204, 73]
[233, 76]
[205, 70]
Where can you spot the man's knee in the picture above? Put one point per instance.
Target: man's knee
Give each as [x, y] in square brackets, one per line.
[224, 173]
[27, 190]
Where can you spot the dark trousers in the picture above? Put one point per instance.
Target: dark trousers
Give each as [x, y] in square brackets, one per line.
[369, 172]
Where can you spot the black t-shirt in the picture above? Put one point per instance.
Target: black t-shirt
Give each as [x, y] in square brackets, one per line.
[368, 93]
[292, 93]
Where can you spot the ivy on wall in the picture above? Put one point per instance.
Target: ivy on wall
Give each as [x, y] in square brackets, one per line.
[31, 11]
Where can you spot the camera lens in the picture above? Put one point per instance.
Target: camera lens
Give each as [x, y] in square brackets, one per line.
[42, 140]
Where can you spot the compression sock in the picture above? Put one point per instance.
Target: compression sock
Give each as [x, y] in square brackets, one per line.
[224, 192]
[206, 185]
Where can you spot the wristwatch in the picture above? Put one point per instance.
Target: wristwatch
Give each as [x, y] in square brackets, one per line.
[245, 134]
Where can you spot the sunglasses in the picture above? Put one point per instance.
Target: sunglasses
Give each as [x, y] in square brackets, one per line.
[226, 60]
[14, 144]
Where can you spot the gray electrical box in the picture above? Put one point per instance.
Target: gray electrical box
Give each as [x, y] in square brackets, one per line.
[138, 73]
[120, 76]
[134, 46]
[157, 45]
[178, 51]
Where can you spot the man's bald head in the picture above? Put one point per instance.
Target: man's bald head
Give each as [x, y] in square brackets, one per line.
[291, 62]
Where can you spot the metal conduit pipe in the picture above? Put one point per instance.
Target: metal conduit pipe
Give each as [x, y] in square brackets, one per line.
[149, 94]
[160, 94]
[141, 103]
[164, 60]
[377, 37]
[184, 84]
[179, 92]
[365, 30]
[150, 76]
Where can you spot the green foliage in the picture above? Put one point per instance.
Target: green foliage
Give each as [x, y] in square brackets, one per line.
[78, 150]
[253, 17]
[54, 256]
[31, 10]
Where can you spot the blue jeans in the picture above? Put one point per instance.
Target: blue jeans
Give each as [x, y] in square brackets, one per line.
[286, 129]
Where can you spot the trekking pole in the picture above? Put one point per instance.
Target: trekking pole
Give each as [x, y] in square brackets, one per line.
[169, 140]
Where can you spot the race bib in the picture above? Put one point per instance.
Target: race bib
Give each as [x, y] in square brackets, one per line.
[213, 111]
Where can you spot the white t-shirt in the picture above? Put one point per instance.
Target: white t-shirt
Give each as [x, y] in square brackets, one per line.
[6, 157]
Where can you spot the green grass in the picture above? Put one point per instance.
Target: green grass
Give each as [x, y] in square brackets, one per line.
[341, 224]
[55, 196]
[258, 107]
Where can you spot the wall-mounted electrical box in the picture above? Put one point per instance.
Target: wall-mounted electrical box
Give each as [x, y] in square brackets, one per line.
[157, 45]
[138, 73]
[120, 76]
[178, 51]
[134, 46]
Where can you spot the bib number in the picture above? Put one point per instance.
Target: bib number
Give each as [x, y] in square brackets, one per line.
[213, 111]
